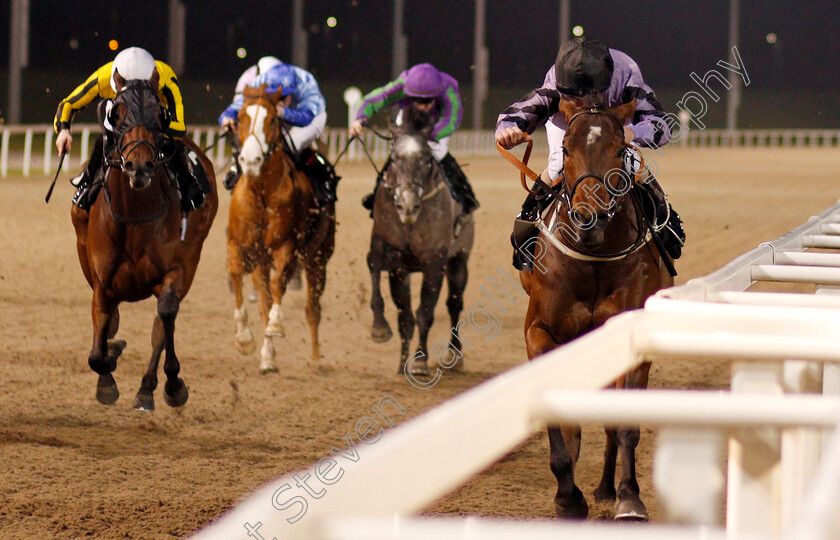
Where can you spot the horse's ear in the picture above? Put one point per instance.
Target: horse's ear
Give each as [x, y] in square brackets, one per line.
[276, 96]
[155, 79]
[625, 112]
[254, 91]
[119, 82]
[568, 109]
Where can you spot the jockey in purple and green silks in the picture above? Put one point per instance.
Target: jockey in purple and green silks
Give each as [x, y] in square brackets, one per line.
[435, 93]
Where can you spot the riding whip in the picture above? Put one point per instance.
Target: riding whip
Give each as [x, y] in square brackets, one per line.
[60, 162]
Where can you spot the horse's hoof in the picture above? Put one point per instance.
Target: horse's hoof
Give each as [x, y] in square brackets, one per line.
[296, 283]
[420, 368]
[245, 343]
[604, 494]
[631, 510]
[576, 508]
[267, 366]
[178, 397]
[106, 390]
[275, 330]
[380, 334]
[144, 401]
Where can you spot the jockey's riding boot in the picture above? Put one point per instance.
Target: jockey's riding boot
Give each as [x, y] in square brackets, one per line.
[524, 229]
[190, 176]
[368, 200]
[84, 181]
[667, 220]
[234, 173]
[321, 175]
[458, 184]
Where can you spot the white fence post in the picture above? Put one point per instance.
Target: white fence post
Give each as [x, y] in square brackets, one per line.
[753, 491]
[27, 151]
[4, 154]
[48, 138]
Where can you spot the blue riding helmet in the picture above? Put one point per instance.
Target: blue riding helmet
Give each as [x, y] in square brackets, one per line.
[281, 75]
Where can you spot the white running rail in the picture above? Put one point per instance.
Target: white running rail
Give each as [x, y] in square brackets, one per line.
[27, 149]
[776, 427]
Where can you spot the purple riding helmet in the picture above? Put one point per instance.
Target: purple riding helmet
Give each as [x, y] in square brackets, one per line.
[423, 81]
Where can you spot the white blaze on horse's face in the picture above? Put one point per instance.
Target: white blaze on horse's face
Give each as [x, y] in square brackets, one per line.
[254, 147]
[407, 147]
[594, 133]
[407, 196]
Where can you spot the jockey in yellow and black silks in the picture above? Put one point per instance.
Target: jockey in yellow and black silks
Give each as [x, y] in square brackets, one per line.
[132, 63]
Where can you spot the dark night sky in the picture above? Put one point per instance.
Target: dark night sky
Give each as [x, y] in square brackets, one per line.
[668, 38]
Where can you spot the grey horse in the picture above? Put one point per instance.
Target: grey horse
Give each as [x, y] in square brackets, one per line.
[418, 227]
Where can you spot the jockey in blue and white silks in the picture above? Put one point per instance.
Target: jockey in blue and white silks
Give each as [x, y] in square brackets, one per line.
[306, 111]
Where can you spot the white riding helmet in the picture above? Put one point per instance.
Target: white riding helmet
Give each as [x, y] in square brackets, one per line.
[133, 63]
[265, 63]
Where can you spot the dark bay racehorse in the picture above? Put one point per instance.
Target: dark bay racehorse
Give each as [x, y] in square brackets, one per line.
[417, 227]
[597, 262]
[130, 245]
[274, 224]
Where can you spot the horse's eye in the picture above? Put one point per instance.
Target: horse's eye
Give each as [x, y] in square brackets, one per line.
[565, 151]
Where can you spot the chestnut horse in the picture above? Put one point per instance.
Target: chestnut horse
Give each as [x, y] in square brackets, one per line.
[597, 260]
[274, 223]
[132, 244]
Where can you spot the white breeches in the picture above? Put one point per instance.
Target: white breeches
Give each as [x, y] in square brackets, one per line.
[555, 149]
[302, 136]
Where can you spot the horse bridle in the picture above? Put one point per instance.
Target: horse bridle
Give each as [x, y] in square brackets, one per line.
[133, 119]
[567, 192]
[142, 89]
[271, 145]
[418, 186]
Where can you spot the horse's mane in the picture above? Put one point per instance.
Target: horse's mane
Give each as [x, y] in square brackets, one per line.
[416, 121]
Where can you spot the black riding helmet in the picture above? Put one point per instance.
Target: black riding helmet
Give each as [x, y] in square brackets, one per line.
[583, 67]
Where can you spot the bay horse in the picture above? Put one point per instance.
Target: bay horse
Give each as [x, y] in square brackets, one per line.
[417, 227]
[133, 244]
[597, 261]
[274, 224]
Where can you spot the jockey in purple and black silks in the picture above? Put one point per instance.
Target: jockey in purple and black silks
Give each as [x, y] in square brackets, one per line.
[436, 94]
[591, 75]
